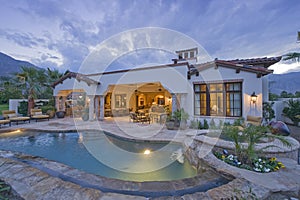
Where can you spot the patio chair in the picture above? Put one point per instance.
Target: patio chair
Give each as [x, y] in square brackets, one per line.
[254, 120]
[13, 117]
[37, 114]
[134, 117]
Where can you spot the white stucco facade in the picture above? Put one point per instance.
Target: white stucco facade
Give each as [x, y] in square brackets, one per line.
[170, 84]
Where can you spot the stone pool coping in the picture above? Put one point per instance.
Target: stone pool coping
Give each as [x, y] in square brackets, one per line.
[32, 183]
[15, 166]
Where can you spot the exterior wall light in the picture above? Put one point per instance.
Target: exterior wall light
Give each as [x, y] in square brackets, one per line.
[253, 98]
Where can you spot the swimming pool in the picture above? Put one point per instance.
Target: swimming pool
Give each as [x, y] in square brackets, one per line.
[103, 154]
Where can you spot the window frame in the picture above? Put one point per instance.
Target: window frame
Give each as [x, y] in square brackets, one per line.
[123, 101]
[225, 92]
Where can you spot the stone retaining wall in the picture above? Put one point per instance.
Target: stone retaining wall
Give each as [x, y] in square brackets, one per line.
[285, 182]
[278, 149]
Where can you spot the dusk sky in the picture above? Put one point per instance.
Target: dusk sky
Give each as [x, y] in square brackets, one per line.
[61, 34]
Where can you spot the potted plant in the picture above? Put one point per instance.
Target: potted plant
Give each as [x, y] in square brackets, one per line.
[181, 118]
[85, 114]
[170, 123]
[60, 114]
[178, 120]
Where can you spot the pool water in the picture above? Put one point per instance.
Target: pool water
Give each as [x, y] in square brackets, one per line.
[103, 154]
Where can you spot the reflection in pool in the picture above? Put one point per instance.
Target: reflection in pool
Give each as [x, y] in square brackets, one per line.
[103, 154]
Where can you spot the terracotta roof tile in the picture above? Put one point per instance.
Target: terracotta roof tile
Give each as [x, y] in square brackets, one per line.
[255, 65]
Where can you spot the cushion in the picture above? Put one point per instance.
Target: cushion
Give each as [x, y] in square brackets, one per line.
[38, 113]
[11, 115]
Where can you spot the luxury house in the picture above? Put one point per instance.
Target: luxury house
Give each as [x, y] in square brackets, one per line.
[220, 88]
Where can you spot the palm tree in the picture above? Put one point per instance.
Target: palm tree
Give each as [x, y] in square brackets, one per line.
[53, 75]
[294, 56]
[33, 81]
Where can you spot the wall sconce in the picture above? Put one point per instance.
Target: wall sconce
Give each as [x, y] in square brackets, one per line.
[253, 98]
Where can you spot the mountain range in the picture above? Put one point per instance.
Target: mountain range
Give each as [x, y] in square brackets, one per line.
[9, 65]
[289, 82]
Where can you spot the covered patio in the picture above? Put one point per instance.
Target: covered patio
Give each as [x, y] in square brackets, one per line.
[158, 89]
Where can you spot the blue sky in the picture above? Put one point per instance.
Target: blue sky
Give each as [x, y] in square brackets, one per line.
[61, 34]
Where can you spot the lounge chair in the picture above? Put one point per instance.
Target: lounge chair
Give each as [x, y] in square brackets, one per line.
[13, 117]
[37, 114]
[4, 121]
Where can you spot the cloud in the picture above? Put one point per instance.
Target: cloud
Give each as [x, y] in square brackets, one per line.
[21, 38]
[226, 29]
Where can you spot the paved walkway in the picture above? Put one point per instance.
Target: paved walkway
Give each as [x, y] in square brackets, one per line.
[33, 183]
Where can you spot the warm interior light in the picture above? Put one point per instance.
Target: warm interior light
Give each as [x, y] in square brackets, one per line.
[147, 152]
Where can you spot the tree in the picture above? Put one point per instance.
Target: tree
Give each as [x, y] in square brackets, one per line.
[273, 97]
[297, 94]
[33, 82]
[51, 77]
[284, 94]
[292, 56]
[9, 89]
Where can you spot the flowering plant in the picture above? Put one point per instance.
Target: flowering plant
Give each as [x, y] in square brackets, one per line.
[263, 165]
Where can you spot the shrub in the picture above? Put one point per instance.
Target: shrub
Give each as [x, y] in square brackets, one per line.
[268, 112]
[200, 125]
[239, 122]
[194, 124]
[205, 124]
[293, 111]
[212, 124]
[23, 108]
[251, 135]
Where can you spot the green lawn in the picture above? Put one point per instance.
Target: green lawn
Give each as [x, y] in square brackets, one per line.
[3, 107]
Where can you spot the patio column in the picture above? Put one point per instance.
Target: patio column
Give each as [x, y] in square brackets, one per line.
[63, 103]
[97, 102]
[102, 109]
[91, 107]
[57, 103]
[174, 102]
[183, 102]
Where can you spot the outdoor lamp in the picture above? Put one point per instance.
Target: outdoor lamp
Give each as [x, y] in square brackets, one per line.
[253, 97]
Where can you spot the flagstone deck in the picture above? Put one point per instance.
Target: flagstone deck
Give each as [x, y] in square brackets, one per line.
[31, 182]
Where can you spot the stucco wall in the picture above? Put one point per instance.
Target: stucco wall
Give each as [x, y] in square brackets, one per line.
[250, 84]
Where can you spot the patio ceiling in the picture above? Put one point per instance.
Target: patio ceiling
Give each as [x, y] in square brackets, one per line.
[141, 87]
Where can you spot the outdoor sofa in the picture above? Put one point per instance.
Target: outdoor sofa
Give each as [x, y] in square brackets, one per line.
[38, 115]
[13, 117]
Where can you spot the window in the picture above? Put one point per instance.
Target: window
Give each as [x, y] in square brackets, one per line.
[120, 100]
[218, 99]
